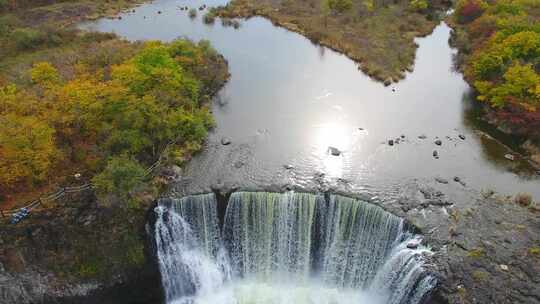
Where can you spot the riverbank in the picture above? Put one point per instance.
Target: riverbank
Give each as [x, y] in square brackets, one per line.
[64, 94]
[380, 37]
[65, 75]
[66, 12]
[498, 50]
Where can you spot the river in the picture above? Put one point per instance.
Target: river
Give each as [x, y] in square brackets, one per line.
[289, 100]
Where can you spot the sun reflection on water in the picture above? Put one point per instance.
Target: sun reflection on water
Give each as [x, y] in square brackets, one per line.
[328, 136]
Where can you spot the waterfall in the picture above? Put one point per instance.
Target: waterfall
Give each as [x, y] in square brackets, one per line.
[287, 248]
[269, 235]
[189, 252]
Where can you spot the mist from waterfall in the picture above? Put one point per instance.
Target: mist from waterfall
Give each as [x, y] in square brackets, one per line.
[286, 248]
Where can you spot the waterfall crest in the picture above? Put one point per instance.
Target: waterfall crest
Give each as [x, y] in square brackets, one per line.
[287, 248]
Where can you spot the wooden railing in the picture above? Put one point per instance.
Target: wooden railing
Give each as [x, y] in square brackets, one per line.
[42, 201]
[51, 197]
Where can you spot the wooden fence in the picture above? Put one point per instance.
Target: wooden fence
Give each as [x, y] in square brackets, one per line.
[42, 201]
[51, 197]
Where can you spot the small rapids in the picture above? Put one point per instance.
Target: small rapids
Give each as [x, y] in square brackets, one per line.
[290, 248]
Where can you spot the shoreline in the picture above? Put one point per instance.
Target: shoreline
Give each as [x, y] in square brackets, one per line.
[357, 53]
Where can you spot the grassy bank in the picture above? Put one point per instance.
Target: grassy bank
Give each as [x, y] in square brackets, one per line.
[376, 33]
[93, 104]
[499, 53]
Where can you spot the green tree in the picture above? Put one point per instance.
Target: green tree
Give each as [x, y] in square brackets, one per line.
[519, 85]
[120, 176]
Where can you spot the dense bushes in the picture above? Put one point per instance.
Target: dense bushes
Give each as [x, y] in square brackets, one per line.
[502, 43]
[419, 5]
[339, 6]
[120, 176]
[114, 119]
[16, 38]
[468, 10]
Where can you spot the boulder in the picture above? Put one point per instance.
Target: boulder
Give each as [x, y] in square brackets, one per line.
[225, 141]
[441, 180]
[334, 151]
[413, 244]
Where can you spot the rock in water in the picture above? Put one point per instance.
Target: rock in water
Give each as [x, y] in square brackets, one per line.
[436, 154]
[225, 141]
[391, 142]
[458, 180]
[334, 151]
[462, 136]
[422, 136]
[438, 142]
[413, 244]
[441, 180]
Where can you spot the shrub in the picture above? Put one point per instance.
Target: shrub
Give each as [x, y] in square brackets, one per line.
[468, 10]
[483, 27]
[7, 24]
[43, 73]
[339, 6]
[534, 251]
[121, 175]
[27, 39]
[419, 5]
[209, 18]
[192, 13]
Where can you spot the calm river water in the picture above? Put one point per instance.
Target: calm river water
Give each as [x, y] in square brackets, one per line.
[289, 100]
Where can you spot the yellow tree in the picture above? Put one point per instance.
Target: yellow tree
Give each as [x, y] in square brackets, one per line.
[27, 150]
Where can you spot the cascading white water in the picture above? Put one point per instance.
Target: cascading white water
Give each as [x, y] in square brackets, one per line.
[189, 253]
[287, 248]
